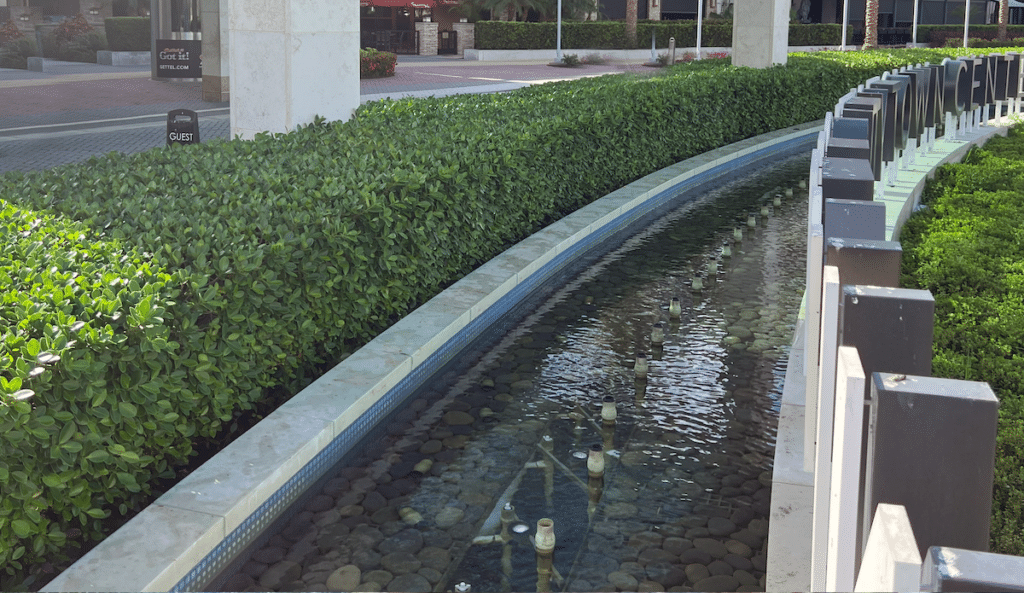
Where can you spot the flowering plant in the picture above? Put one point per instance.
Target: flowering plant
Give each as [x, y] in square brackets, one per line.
[376, 64]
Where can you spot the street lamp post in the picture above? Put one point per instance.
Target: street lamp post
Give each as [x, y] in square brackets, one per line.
[846, 18]
[700, 23]
[917, 4]
[558, 36]
[967, 18]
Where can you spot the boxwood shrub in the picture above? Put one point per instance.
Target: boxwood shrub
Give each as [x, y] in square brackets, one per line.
[128, 33]
[149, 298]
[966, 248]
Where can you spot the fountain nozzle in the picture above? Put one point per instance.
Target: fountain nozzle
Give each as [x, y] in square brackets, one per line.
[595, 461]
[658, 334]
[675, 310]
[640, 366]
[608, 412]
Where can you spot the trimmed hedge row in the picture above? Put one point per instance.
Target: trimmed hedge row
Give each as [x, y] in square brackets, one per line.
[967, 249]
[128, 33]
[597, 35]
[612, 34]
[937, 35]
[206, 276]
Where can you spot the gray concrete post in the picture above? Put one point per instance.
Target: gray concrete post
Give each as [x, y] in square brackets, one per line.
[854, 219]
[952, 569]
[932, 449]
[860, 261]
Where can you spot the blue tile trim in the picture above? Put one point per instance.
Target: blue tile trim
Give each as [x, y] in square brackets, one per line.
[235, 543]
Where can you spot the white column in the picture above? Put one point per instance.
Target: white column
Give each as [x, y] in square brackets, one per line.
[216, 65]
[760, 33]
[826, 409]
[292, 60]
[844, 504]
[891, 560]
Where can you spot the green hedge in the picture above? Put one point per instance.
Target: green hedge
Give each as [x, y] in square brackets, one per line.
[611, 34]
[937, 35]
[15, 53]
[129, 33]
[967, 249]
[197, 279]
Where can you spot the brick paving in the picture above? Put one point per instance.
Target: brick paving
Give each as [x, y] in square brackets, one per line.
[74, 111]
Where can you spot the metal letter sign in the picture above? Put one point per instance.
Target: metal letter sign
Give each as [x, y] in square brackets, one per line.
[179, 58]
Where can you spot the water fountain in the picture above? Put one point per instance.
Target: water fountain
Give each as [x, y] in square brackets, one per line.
[651, 472]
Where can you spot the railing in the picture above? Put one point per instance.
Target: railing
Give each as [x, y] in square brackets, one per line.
[397, 42]
[879, 429]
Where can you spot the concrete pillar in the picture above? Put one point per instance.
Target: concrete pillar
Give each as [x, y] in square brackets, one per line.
[292, 60]
[215, 50]
[760, 33]
[428, 38]
[933, 436]
[466, 33]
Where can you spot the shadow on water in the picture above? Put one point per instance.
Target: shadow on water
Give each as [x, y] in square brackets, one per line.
[451, 488]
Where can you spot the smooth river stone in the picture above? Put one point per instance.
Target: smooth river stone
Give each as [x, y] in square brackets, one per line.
[712, 546]
[623, 581]
[400, 563]
[717, 583]
[407, 540]
[739, 548]
[720, 567]
[696, 572]
[410, 583]
[345, 578]
[448, 517]
[457, 418]
[436, 558]
[430, 447]
[721, 527]
[279, 574]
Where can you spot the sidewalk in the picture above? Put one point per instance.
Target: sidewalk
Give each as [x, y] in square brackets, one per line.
[76, 111]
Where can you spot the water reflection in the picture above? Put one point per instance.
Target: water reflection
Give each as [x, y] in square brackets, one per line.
[681, 498]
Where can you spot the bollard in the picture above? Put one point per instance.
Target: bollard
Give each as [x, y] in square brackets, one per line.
[671, 50]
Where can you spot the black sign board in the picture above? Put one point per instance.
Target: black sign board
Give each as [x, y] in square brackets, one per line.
[179, 58]
[182, 127]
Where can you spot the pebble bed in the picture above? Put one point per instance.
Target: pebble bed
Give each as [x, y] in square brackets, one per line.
[683, 501]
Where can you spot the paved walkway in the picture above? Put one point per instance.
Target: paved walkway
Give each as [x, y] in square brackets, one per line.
[74, 111]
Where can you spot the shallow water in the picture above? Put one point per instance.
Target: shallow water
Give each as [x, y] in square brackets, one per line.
[686, 483]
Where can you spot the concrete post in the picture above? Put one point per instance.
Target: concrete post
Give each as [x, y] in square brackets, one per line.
[760, 33]
[216, 66]
[952, 569]
[892, 329]
[891, 559]
[932, 450]
[872, 263]
[854, 219]
[291, 61]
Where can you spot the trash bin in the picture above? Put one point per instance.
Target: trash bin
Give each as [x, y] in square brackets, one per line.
[182, 127]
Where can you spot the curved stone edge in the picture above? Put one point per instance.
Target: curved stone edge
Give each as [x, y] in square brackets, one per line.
[789, 537]
[193, 531]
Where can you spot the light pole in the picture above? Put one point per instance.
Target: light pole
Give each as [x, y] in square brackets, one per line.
[558, 35]
[967, 19]
[917, 4]
[846, 18]
[700, 23]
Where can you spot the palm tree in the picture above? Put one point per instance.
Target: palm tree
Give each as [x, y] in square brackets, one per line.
[631, 13]
[1004, 16]
[871, 24]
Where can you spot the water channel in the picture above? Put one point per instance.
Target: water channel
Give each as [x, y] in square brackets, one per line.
[459, 487]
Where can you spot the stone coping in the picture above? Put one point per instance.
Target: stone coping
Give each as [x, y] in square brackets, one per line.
[192, 532]
[789, 538]
[502, 55]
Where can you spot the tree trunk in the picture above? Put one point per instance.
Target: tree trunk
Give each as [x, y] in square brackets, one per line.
[631, 13]
[1004, 16]
[871, 24]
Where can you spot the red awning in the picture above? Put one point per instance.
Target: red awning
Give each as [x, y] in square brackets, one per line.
[398, 3]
